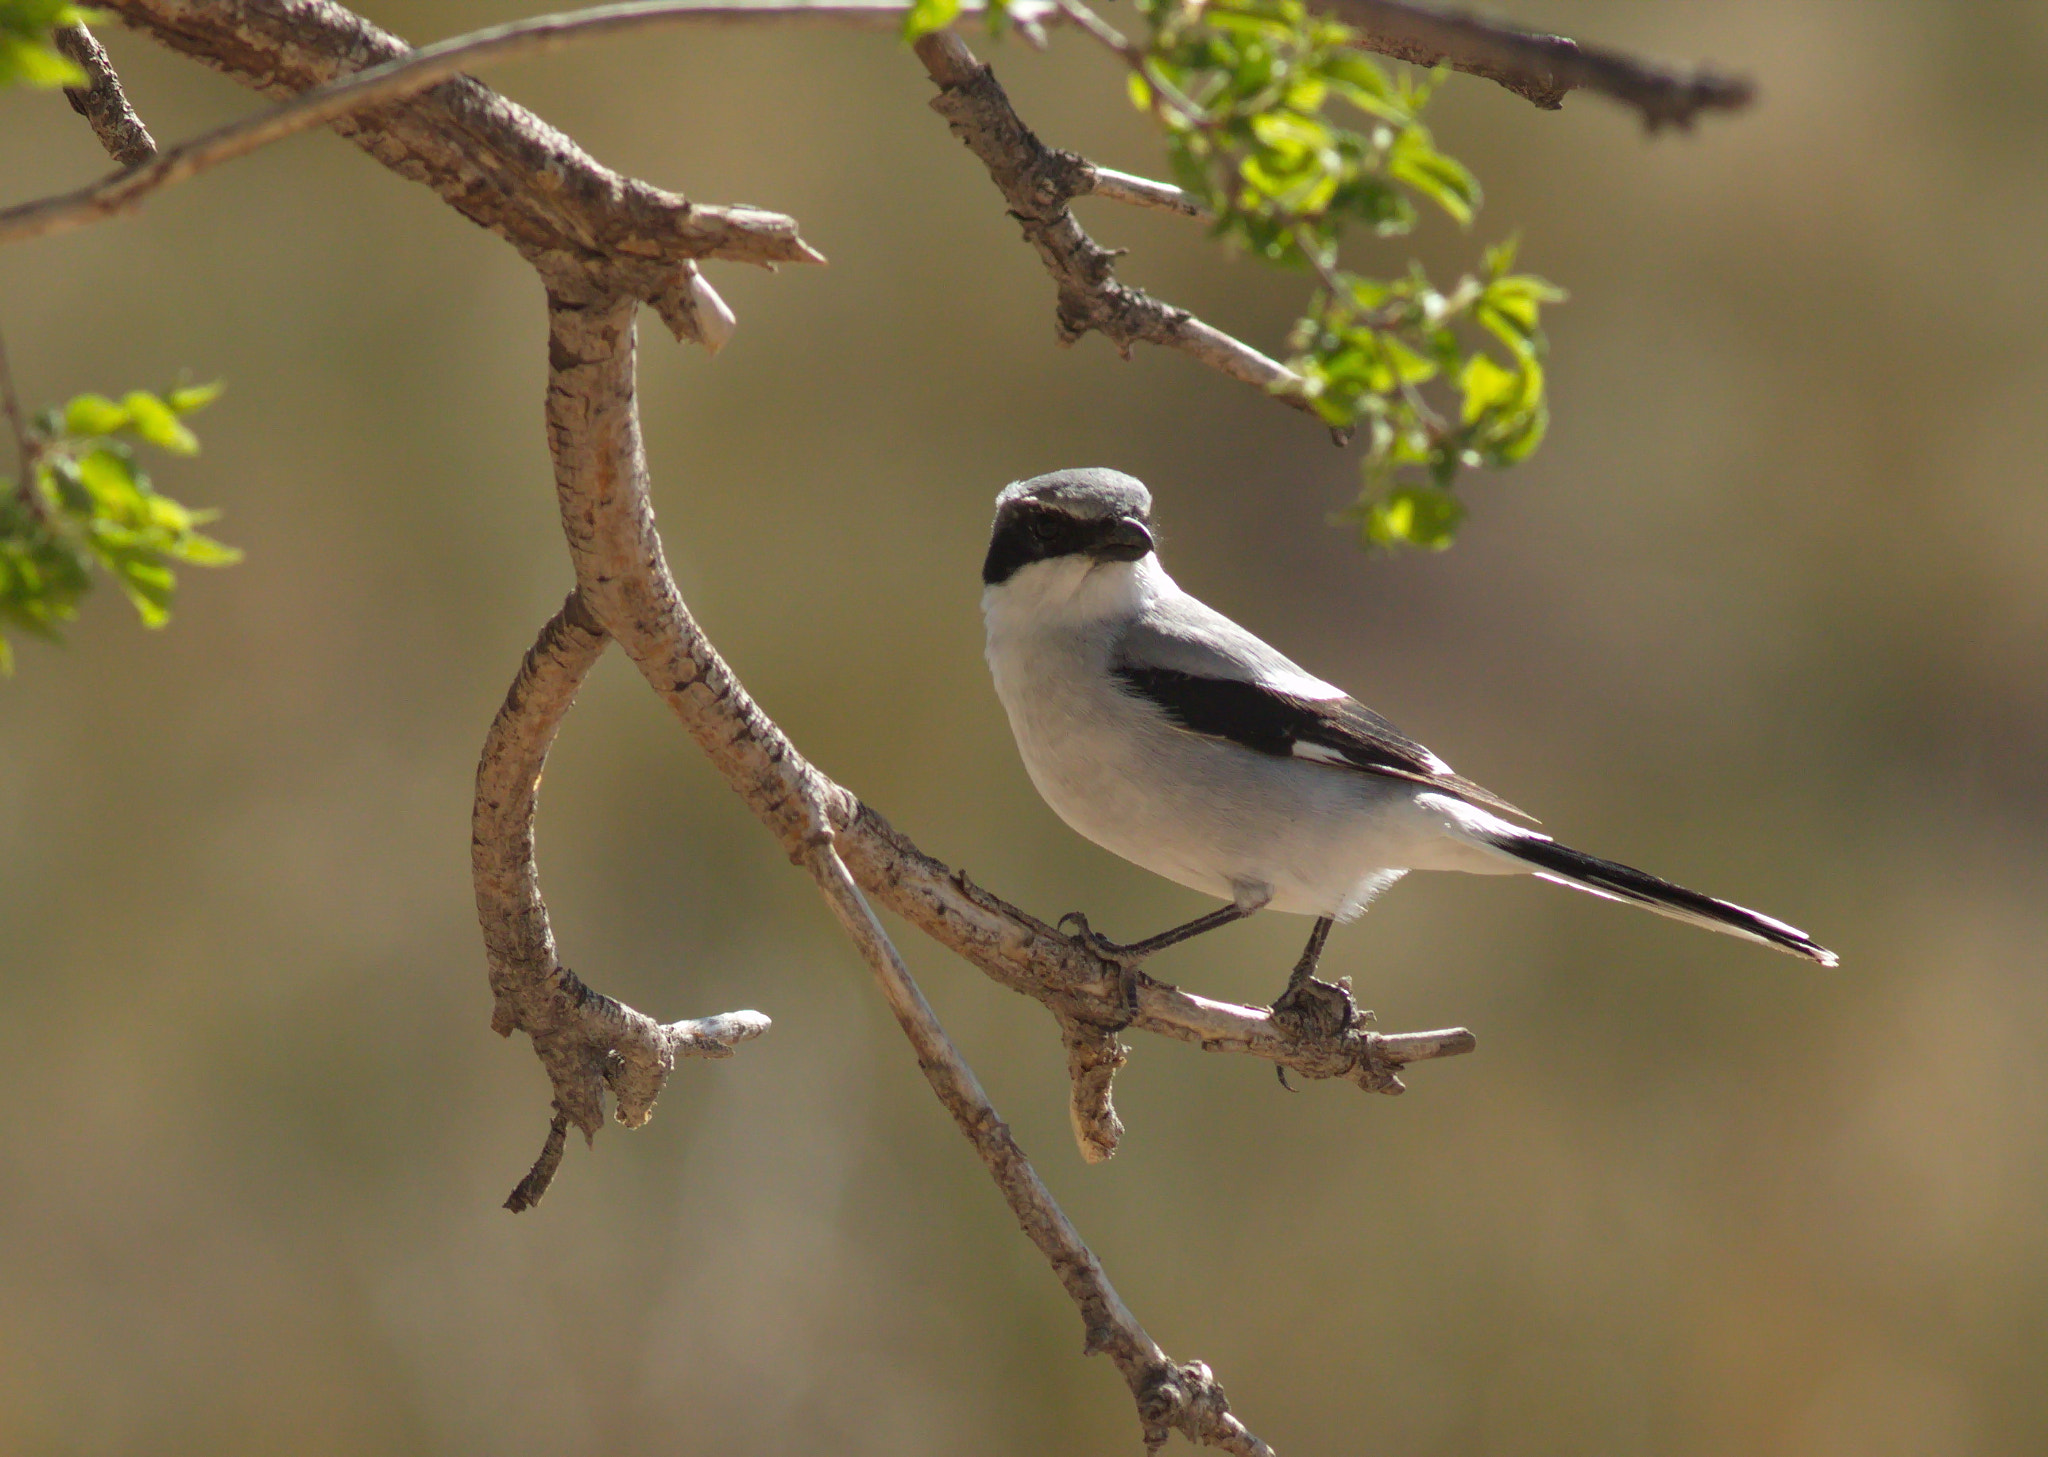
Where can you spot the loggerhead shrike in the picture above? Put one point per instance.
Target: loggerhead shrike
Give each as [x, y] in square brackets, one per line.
[1166, 733]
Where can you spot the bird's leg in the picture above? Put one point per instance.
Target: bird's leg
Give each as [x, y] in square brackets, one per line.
[1127, 957]
[1138, 951]
[1311, 957]
[1309, 1004]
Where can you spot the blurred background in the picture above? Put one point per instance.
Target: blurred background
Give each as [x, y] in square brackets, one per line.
[1768, 614]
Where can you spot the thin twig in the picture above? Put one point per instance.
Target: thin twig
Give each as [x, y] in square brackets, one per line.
[1142, 192]
[1169, 1397]
[1542, 69]
[102, 102]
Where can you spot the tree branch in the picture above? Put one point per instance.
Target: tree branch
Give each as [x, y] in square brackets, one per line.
[1542, 68]
[744, 235]
[585, 1040]
[1037, 183]
[1169, 1397]
[102, 102]
[496, 163]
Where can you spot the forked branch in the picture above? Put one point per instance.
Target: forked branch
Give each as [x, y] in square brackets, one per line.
[587, 1041]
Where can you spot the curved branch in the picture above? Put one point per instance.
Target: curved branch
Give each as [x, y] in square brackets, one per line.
[586, 1041]
[744, 234]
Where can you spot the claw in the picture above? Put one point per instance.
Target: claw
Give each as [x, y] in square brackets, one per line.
[1096, 942]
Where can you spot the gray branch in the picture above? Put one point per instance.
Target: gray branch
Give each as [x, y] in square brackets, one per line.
[1169, 1397]
[102, 102]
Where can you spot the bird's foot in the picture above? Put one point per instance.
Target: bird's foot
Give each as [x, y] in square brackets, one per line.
[1124, 958]
[1316, 1008]
[1099, 944]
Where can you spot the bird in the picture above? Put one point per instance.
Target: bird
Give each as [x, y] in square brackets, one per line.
[1163, 731]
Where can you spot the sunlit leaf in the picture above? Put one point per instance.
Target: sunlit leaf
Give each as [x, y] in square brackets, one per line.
[156, 422]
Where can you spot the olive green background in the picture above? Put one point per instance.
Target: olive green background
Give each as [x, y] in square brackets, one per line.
[1768, 614]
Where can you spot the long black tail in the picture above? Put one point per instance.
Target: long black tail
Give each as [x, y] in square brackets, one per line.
[1580, 871]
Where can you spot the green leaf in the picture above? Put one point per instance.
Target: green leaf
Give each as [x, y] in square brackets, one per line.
[111, 479]
[926, 16]
[1487, 386]
[32, 63]
[93, 415]
[1441, 179]
[1424, 516]
[156, 422]
[187, 398]
[204, 551]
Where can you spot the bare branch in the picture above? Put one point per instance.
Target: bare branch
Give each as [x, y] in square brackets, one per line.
[496, 163]
[739, 234]
[585, 1040]
[1542, 68]
[1037, 183]
[102, 102]
[1183, 1398]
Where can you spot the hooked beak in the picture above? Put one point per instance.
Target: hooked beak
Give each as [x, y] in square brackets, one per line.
[1127, 540]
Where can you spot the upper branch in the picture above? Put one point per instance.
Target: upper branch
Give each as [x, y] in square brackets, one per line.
[496, 163]
[102, 102]
[1037, 182]
[1543, 68]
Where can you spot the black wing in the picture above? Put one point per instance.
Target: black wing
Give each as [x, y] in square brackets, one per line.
[1338, 731]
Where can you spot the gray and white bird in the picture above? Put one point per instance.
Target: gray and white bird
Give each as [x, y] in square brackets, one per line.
[1167, 734]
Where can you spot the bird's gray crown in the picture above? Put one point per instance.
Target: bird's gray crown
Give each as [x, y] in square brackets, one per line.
[1089, 493]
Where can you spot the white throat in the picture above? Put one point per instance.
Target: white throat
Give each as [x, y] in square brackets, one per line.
[1072, 594]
